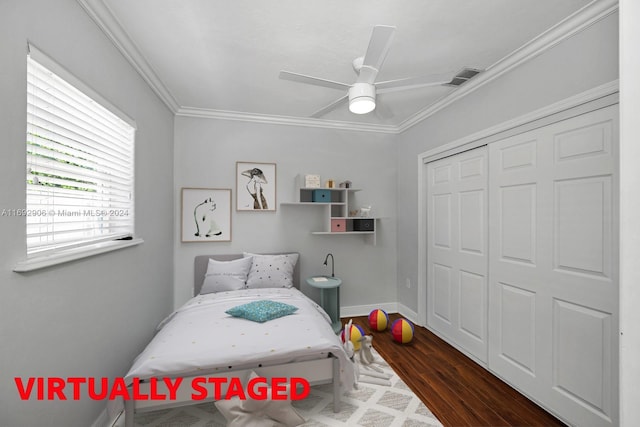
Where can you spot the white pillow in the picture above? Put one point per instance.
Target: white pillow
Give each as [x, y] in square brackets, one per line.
[271, 271]
[226, 275]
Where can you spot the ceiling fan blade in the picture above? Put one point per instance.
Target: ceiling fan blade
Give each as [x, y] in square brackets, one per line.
[335, 104]
[379, 45]
[411, 83]
[316, 81]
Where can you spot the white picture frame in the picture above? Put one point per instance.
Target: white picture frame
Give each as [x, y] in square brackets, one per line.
[205, 215]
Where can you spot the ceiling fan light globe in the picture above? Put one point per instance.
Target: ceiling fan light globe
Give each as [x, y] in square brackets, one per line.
[362, 105]
[362, 98]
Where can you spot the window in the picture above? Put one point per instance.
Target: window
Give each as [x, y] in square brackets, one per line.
[80, 162]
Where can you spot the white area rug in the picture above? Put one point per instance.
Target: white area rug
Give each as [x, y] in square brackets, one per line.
[370, 405]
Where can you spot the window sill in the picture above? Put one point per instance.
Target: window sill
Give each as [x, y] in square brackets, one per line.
[67, 255]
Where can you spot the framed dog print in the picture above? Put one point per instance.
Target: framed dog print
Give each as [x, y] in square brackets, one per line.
[255, 186]
[206, 215]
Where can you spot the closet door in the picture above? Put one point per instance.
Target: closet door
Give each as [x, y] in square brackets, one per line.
[457, 250]
[553, 291]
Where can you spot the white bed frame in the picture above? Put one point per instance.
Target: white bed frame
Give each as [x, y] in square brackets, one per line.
[318, 371]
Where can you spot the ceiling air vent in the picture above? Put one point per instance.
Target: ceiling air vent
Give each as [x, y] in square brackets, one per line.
[463, 75]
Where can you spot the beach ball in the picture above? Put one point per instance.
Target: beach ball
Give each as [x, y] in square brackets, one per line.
[402, 331]
[378, 320]
[356, 333]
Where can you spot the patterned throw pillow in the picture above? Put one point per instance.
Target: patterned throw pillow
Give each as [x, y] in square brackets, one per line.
[271, 271]
[262, 311]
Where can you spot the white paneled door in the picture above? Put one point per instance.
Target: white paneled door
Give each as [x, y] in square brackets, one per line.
[457, 250]
[522, 255]
[553, 287]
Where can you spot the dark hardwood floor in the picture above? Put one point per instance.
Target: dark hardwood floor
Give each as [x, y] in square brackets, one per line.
[456, 389]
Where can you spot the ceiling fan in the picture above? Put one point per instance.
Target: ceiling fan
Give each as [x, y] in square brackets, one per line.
[361, 95]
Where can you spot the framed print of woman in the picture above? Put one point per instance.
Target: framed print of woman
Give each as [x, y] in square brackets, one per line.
[255, 186]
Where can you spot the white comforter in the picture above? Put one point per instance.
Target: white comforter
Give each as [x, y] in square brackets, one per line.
[200, 337]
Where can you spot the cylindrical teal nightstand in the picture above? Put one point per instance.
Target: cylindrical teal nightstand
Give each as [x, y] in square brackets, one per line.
[329, 297]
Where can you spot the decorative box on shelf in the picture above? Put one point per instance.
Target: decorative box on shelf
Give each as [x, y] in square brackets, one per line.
[309, 181]
[322, 196]
[363, 224]
[338, 225]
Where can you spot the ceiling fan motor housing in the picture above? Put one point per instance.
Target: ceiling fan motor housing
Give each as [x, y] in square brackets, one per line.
[362, 98]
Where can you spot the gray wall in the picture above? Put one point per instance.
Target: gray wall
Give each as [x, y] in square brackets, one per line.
[206, 151]
[88, 318]
[584, 61]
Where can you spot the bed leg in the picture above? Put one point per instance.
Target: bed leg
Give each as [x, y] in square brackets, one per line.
[129, 413]
[336, 384]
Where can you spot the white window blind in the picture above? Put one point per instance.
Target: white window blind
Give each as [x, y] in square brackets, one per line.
[80, 166]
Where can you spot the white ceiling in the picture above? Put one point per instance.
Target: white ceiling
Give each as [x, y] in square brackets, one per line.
[222, 58]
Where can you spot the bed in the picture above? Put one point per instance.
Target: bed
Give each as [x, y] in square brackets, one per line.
[201, 340]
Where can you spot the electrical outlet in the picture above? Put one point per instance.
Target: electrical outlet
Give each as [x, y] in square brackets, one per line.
[408, 283]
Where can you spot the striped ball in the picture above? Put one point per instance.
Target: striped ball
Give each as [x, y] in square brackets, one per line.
[402, 331]
[378, 320]
[356, 333]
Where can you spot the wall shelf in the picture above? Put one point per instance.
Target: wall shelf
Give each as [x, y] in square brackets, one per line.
[337, 206]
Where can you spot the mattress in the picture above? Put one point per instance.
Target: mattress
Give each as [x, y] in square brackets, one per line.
[201, 338]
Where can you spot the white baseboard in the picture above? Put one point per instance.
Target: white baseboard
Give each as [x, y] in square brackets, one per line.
[409, 314]
[364, 310]
[389, 307]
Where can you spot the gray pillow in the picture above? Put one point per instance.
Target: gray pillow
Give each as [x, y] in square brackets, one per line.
[226, 275]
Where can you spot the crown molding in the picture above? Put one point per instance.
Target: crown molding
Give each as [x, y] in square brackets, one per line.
[102, 15]
[580, 20]
[284, 120]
